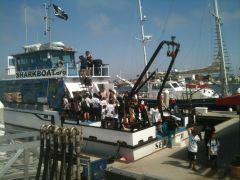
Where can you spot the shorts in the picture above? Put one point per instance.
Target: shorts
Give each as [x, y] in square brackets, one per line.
[83, 67]
[86, 109]
[213, 157]
[192, 156]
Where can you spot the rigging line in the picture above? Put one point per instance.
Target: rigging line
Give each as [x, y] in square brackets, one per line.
[211, 46]
[201, 28]
[166, 21]
[25, 20]
[190, 51]
[128, 57]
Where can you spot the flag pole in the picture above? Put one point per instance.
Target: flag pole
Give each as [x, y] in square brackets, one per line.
[47, 19]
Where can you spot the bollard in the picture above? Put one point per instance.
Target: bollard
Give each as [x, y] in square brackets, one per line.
[1, 113]
[166, 98]
[2, 126]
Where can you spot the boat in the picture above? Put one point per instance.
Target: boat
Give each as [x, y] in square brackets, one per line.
[36, 82]
[179, 92]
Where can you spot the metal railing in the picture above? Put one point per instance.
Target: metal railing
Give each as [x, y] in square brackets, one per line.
[97, 71]
[18, 150]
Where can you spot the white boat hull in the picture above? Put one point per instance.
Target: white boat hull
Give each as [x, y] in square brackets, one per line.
[97, 140]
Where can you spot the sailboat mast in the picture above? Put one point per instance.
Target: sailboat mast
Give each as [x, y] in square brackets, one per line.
[223, 74]
[47, 19]
[26, 27]
[143, 39]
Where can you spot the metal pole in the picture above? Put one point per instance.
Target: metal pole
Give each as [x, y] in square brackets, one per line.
[89, 170]
[223, 73]
[26, 164]
[142, 33]
[49, 22]
[26, 28]
[47, 19]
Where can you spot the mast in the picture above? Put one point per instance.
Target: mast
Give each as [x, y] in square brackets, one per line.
[26, 27]
[143, 38]
[47, 19]
[223, 74]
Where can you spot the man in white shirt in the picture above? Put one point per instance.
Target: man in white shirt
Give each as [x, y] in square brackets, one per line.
[213, 149]
[193, 149]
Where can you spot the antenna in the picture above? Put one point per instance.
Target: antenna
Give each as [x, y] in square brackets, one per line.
[144, 38]
[26, 27]
[47, 19]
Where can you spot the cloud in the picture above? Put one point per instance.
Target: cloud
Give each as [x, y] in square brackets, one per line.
[103, 4]
[231, 16]
[6, 38]
[173, 21]
[101, 25]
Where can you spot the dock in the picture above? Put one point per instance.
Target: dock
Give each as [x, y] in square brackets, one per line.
[172, 163]
[167, 163]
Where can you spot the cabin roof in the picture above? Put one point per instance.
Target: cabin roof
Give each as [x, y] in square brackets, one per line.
[42, 51]
[42, 48]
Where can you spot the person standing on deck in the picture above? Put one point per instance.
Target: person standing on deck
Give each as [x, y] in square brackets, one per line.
[171, 130]
[96, 107]
[86, 107]
[144, 115]
[155, 115]
[83, 67]
[103, 93]
[89, 59]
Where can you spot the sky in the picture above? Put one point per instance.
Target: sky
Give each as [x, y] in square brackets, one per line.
[110, 29]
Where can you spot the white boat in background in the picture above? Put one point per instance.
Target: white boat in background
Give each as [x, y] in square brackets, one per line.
[180, 91]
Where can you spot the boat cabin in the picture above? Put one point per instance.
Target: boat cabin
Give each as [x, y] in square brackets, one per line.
[43, 72]
[51, 59]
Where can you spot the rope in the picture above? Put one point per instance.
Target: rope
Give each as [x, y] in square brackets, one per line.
[70, 158]
[41, 153]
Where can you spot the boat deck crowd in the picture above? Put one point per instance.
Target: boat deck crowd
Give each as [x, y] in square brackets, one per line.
[112, 110]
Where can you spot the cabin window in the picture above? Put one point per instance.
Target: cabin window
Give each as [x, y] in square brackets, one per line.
[44, 57]
[175, 85]
[156, 86]
[24, 60]
[167, 86]
[66, 57]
